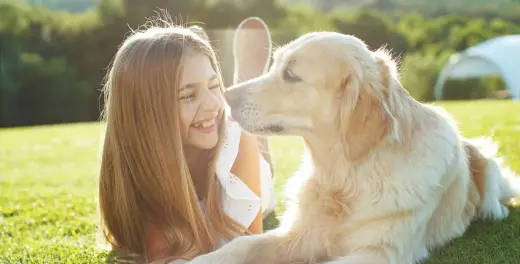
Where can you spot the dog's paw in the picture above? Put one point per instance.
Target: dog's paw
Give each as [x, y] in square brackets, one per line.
[499, 212]
[504, 212]
[202, 259]
[213, 258]
[494, 210]
[205, 260]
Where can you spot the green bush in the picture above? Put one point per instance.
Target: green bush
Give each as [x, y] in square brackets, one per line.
[66, 55]
[43, 91]
[376, 29]
[472, 88]
[419, 73]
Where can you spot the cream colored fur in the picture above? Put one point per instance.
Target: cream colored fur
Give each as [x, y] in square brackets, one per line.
[385, 178]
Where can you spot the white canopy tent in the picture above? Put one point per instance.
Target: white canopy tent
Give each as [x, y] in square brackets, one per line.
[497, 56]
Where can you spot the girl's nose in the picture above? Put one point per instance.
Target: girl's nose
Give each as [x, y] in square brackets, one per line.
[212, 101]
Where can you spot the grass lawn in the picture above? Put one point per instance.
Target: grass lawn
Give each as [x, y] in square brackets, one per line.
[48, 190]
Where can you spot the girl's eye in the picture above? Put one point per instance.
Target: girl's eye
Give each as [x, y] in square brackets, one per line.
[216, 86]
[190, 96]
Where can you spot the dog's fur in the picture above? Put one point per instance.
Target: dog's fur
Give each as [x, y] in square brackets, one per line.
[385, 178]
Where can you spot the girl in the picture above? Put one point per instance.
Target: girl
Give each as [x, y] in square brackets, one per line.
[178, 178]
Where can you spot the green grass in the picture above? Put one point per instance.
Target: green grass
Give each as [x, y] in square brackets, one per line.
[48, 190]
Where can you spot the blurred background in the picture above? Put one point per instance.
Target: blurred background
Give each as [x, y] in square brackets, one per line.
[54, 53]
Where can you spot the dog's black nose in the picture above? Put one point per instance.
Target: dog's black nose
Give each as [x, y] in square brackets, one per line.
[232, 97]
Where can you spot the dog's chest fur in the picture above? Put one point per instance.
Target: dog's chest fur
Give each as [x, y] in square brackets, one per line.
[338, 206]
[322, 209]
[334, 203]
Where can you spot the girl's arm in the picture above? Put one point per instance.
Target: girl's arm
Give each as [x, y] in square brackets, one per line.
[264, 150]
[247, 168]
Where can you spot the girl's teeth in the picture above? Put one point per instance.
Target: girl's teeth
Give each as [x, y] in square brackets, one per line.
[204, 124]
[207, 124]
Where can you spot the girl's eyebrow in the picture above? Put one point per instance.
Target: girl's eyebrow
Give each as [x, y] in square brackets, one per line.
[193, 85]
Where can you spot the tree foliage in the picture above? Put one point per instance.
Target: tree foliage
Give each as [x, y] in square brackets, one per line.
[52, 62]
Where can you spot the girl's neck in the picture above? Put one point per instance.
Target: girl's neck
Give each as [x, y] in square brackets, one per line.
[198, 164]
[195, 156]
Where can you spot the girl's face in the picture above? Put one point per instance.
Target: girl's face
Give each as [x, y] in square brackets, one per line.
[200, 102]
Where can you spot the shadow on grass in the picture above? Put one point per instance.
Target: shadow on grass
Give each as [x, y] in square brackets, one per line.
[271, 221]
[485, 241]
[112, 258]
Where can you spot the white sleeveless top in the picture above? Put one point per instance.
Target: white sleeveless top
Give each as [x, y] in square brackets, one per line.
[239, 202]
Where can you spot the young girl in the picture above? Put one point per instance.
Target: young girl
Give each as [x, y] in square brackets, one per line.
[177, 177]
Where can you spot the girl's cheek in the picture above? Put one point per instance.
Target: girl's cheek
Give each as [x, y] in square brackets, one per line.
[187, 115]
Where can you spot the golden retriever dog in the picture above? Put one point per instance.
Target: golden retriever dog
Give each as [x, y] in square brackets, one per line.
[385, 178]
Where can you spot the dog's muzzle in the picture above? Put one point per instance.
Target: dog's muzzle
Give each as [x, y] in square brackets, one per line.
[233, 97]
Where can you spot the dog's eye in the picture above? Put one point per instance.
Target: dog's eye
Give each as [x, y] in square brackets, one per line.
[289, 76]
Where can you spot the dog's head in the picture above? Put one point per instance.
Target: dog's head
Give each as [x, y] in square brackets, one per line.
[322, 84]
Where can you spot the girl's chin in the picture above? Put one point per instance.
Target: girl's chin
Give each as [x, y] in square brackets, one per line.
[204, 141]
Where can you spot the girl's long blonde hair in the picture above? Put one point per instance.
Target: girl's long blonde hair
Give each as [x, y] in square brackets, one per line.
[144, 178]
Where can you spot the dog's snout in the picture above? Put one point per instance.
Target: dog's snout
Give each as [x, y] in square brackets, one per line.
[232, 97]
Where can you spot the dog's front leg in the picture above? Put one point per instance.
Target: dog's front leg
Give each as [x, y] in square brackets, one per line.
[361, 257]
[244, 250]
[378, 255]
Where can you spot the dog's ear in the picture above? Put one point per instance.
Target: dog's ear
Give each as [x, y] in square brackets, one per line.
[365, 119]
[199, 31]
[388, 69]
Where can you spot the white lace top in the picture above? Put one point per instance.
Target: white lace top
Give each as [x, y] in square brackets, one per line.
[240, 203]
